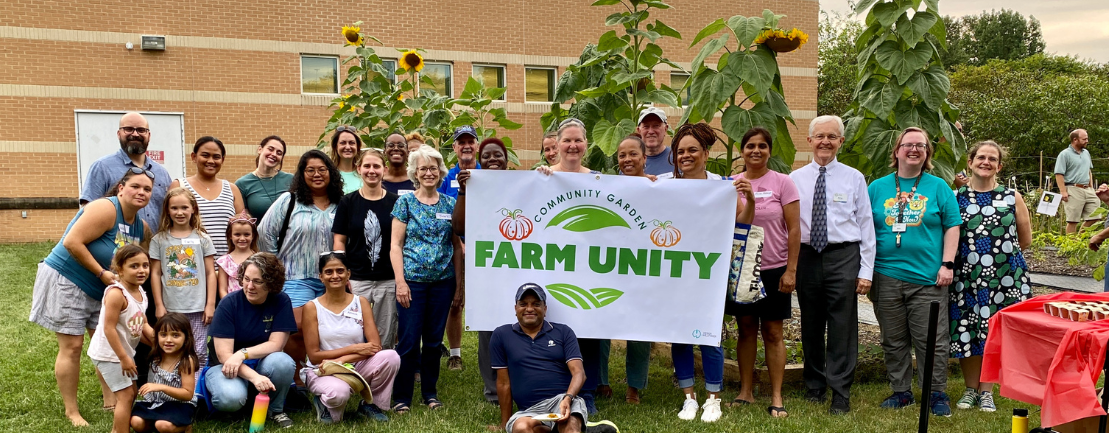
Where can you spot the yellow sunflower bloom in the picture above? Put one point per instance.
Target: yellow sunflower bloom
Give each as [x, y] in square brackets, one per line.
[766, 34]
[352, 34]
[411, 61]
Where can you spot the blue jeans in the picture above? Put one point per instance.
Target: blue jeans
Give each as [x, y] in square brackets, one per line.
[422, 322]
[712, 363]
[636, 362]
[230, 395]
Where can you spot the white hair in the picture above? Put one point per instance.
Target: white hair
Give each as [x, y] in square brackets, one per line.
[824, 119]
[425, 152]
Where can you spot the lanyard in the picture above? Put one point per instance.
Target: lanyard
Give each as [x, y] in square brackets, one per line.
[903, 201]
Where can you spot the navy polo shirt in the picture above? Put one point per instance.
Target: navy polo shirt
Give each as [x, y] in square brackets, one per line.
[537, 368]
[448, 187]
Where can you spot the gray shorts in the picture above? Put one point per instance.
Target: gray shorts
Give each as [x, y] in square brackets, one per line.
[60, 306]
[383, 300]
[113, 375]
[550, 405]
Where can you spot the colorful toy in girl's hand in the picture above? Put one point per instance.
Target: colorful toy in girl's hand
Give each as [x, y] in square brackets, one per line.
[258, 416]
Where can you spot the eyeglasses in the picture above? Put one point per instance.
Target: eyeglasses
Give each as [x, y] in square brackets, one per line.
[829, 137]
[148, 173]
[569, 121]
[132, 130]
[914, 146]
[432, 169]
[254, 282]
[311, 171]
[396, 145]
[349, 129]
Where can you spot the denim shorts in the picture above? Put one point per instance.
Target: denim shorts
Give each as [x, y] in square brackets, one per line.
[303, 291]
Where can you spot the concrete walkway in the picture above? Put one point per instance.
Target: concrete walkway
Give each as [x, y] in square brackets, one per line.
[1067, 282]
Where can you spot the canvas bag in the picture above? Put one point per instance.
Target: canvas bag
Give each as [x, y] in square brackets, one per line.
[744, 283]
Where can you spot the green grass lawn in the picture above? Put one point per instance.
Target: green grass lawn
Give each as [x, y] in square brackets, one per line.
[31, 403]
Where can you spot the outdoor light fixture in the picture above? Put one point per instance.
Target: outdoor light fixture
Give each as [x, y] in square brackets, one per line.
[153, 43]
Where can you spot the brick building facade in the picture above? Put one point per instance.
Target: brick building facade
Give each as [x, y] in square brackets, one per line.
[233, 67]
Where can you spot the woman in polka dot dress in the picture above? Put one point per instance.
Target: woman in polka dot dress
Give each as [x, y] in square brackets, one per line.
[990, 272]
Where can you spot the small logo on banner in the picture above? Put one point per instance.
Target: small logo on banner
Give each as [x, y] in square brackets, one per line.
[696, 333]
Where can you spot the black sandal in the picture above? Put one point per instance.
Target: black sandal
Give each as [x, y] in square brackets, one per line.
[400, 408]
[738, 402]
[433, 404]
[775, 412]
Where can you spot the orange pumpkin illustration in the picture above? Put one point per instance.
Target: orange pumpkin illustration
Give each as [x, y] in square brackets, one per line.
[515, 226]
[665, 234]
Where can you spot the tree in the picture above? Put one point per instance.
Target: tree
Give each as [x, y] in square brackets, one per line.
[900, 83]
[977, 39]
[955, 53]
[1031, 105]
[836, 66]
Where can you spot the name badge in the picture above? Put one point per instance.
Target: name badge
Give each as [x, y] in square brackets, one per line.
[331, 215]
[126, 229]
[1000, 203]
[442, 216]
[898, 227]
[356, 315]
[764, 194]
[405, 191]
[839, 197]
[190, 241]
[454, 183]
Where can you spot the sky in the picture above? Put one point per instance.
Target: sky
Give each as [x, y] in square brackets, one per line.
[1070, 27]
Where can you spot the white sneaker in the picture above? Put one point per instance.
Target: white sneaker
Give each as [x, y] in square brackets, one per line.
[711, 410]
[689, 408]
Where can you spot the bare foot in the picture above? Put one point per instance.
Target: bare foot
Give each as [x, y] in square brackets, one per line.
[77, 420]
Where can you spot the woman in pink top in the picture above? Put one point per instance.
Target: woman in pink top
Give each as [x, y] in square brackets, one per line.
[777, 211]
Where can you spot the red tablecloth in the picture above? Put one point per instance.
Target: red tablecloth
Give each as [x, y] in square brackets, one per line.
[1047, 361]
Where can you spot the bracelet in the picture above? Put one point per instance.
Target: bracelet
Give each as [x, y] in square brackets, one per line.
[460, 192]
[101, 274]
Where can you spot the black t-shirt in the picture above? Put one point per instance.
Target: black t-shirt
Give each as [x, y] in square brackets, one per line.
[367, 224]
[399, 188]
[248, 324]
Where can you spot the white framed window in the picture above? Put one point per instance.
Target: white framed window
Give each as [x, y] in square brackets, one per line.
[441, 75]
[491, 76]
[319, 74]
[539, 84]
[677, 81]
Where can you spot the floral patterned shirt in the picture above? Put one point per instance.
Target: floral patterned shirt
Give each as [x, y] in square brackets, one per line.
[427, 238]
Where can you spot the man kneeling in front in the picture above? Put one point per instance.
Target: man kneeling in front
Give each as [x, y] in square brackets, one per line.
[539, 367]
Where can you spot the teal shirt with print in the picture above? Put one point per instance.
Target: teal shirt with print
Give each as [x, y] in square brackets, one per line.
[428, 247]
[931, 211]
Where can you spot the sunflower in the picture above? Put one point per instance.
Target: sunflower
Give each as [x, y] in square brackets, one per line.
[412, 61]
[352, 35]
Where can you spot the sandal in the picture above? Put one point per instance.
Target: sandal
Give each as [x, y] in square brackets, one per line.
[400, 408]
[106, 408]
[433, 404]
[738, 402]
[777, 412]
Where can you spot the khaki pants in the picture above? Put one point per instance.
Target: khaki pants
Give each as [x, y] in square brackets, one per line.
[1081, 203]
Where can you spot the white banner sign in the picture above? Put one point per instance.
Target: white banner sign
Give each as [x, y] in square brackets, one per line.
[620, 257]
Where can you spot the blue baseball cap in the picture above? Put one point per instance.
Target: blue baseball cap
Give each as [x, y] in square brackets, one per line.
[464, 130]
[531, 287]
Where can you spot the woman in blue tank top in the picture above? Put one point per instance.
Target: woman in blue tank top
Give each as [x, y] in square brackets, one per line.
[70, 283]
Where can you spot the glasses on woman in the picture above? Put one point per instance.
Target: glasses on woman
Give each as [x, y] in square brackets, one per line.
[349, 129]
[148, 173]
[431, 169]
[254, 282]
[310, 171]
[914, 146]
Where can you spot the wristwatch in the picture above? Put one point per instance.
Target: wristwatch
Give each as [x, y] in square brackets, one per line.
[572, 396]
[243, 351]
[949, 265]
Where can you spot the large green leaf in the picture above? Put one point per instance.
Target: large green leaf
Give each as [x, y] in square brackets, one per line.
[605, 2]
[662, 96]
[880, 96]
[887, 13]
[650, 56]
[939, 30]
[903, 63]
[709, 30]
[710, 48]
[746, 29]
[912, 31]
[649, 34]
[609, 41]
[909, 114]
[784, 151]
[878, 145]
[931, 85]
[608, 136]
[666, 30]
[737, 120]
[863, 5]
[756, 67]
[569, 84]
[933, 6]
[710, 89]
[587, 217]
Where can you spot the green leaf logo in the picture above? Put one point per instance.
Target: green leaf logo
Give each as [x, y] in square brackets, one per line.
[574, 297]
[587, 217]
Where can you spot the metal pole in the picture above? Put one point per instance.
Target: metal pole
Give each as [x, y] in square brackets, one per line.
[929, 361]
[1041, 170]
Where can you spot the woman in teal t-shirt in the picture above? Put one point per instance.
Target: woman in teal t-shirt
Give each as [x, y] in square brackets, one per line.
[916, 224]
[345, 145]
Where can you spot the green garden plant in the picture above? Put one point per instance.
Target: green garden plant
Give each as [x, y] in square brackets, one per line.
[377, 104]
[901, 83]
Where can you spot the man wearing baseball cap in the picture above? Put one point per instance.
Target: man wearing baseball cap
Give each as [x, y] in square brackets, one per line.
[539, 367]
[652, 127]
[465, 146]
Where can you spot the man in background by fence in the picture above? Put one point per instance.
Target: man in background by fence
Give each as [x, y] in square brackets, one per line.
[1074, 177]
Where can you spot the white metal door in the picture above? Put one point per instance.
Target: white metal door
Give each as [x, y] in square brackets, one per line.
[96, 137]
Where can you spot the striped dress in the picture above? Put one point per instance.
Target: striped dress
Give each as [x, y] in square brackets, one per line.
[214, 214]
[308, 236]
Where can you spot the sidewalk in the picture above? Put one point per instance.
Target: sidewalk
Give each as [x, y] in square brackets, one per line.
[1066, 282]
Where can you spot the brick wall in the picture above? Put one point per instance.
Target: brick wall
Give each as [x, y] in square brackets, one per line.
[235, 50]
